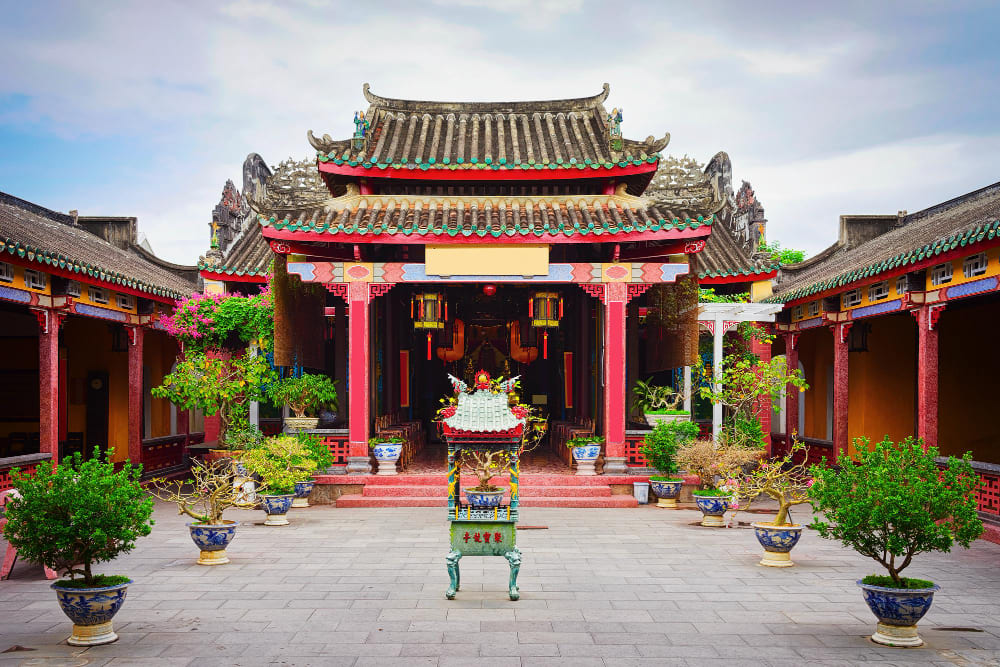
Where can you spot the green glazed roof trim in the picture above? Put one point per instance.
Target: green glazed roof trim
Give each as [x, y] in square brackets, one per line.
[486, 163]
[981, 232]
[58, 260]
[738, 272]
[232, 270]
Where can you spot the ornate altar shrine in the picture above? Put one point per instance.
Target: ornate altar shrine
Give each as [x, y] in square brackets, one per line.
[483, 421]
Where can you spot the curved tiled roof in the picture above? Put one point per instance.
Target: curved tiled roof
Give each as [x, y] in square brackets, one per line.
[249, 255]
[48, 237]
[498, 135]
[965, 220]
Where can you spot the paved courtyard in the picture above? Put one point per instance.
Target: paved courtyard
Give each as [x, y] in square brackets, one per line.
[598, 587]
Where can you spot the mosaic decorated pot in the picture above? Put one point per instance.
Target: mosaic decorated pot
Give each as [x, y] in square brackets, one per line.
[897, 611]
[91, 610]
[302, 491]
[484, 499]
[585, 457]
[276, 507]
[387, 454]
[777, 542]
[213, 539]
[296, 424]
[667, 491]
[712, 509]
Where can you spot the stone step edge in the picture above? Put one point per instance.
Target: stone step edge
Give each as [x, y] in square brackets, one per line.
[356, 500]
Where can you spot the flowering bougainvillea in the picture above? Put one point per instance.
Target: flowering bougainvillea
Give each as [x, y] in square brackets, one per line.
[204, 322]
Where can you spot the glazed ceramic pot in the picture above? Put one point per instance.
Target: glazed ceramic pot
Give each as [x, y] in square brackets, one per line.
[212, 539]
[777, 542]
[653, 420]
[387, 454]
[897, 611]
[91, 610]
[484, 499]
[712, 509]
[296, 424]
[667, 491]
[302, 491]
[276, 507]
[586, 457]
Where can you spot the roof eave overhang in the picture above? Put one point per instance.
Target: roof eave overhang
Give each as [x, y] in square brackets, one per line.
[232, 277]
[488, 173]
[738, 278]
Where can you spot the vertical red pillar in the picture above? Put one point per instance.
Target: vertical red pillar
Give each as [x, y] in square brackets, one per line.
[927, 375]
[616, 301]
[840, 389]
[763, 407]
[135, 339]
[791, 392]
[48, 381]
[358, 460]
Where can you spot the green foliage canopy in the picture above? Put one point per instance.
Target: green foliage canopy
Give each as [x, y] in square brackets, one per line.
[306, 393]
[661, 444]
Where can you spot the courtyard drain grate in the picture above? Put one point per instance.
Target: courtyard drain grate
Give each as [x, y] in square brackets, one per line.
[947, 629]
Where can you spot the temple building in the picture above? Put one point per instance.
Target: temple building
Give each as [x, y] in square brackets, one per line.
[79, 301]
[893, 326]
[520, 238]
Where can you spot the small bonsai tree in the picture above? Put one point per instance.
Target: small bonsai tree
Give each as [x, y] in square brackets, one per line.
[717, 466]
[208, 495]
[81, 512]
[485, 464]
[897, 503]
[653, 399]
[280, 462]
[661, 445]
[307, 393]
[783, 480]
[584, 440]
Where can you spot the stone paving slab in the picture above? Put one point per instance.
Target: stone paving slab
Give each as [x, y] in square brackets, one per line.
[607, 587]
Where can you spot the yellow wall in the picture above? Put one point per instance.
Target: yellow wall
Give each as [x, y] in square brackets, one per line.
[816, 356]
[158, 356]
[882, 381]
[968, 382]
[19, 280]
[958, 277]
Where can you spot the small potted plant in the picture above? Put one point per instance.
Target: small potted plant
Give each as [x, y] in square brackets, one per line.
[213, 490]
[586, 449]
[716, 464]
[660, 451]
[894, 504]
[70, 517]
[658, 403]
[786, 482]
[319, 457]
[386, 450]
[485, 464]
[275, 463]
[306, 393]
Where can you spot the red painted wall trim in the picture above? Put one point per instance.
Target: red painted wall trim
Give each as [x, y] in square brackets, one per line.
[488, 174]
[83, 278]
[702, 231]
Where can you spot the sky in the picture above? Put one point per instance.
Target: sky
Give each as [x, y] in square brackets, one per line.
[145, 109]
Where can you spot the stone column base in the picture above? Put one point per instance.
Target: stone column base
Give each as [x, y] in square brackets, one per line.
[359, 465]
[615, 465]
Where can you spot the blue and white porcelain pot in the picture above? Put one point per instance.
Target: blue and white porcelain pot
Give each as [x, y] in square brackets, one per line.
[302, 491]
[212, 539]
[712, 509]
[484, 499]
[897, 611]
[387, 454]
[276, 507]
[585, 457]
[777, 542]
[667, 491]
[91, 610]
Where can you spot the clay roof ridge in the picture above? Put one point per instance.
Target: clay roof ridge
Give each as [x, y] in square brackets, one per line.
[427, 106]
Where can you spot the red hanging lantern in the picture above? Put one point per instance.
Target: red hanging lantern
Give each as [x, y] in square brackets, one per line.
[429, 311]
[545, 309]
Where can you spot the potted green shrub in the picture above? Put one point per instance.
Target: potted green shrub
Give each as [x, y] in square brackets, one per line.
[893, 504]
[786, 482]
[716, 465]
[586, 449]
[279, 462]
[386, 450]
[306, 393]
[658, 403]
[319, 459]
[660, 451]
[213, 489]
[70, 517]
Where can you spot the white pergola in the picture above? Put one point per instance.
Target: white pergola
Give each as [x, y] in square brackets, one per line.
[720, 318]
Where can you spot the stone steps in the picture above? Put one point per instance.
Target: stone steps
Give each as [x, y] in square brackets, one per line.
[426, 490]
[360, 500]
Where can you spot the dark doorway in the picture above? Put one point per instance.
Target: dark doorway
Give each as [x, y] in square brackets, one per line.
[97, 412]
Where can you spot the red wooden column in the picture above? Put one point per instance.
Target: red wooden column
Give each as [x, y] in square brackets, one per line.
[358, 460]
[136, 336]
[615, 309]
[763, 407]
[927, 374]
[840, 389]
[791, 393]
[48, 380]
